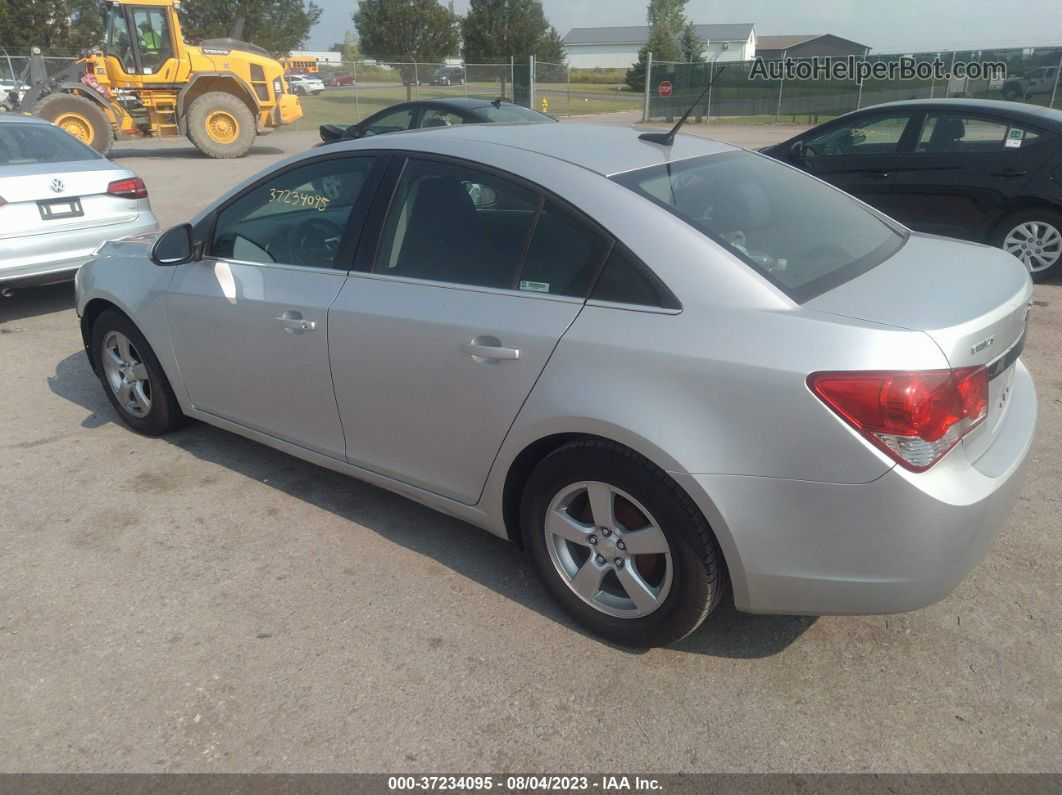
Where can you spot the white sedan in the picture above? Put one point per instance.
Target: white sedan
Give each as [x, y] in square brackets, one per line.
[304, 84]
[59, 199]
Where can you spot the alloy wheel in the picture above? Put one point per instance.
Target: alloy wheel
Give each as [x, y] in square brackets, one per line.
[608, 549]
[126, 374]
[1036, 243]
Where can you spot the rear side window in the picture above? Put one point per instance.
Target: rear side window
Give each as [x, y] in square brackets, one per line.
[563, 256]
[951, 133]
[623, 281]
[802, 235]
[451, 223]
[510, 113]
[22, 144]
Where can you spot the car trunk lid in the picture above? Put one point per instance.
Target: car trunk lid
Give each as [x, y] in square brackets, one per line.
[45, 198]
[972, 300]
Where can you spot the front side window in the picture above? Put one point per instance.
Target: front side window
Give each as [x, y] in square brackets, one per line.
[873, 136]
[391, 122]
[118, 43]
[295, 218]
[804, 236]
[152, 30]
[455, 224]
[950, 132]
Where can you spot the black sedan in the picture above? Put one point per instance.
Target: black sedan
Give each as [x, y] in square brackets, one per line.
[972, 169]
[431, 113]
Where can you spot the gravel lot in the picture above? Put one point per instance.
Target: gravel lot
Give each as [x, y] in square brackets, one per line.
[203, 603]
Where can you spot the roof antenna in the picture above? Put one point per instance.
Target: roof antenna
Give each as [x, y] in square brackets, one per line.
[668, 138]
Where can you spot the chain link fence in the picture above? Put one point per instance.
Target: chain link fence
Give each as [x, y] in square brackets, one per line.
[1033, 75]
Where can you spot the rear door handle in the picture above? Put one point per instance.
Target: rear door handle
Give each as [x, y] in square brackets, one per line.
[876, 174]
[294, 323]
[489, 348]
[1007, 172]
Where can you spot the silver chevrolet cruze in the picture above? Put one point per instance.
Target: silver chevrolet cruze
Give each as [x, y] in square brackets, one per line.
[660, 369]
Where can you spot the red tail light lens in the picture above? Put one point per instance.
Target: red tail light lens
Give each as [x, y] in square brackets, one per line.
[915, 417]
[3, 201]
[128, 188]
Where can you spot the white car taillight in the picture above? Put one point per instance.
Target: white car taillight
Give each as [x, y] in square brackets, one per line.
[915, 417]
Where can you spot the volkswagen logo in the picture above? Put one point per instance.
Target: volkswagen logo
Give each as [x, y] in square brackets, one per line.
[56, 185]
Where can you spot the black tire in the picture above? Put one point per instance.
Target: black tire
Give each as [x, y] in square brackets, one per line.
[165, 413]
[204, 130]
[1038, 215]
[698, 577]
[72, 112]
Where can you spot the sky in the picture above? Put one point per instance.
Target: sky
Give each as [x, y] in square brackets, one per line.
[883, 25]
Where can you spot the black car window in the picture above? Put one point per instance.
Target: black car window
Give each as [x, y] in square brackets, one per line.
[562, 257]
[623, 281]
[956, 133]
[510, 113]
[875, 135]
[456, 224]
[296, 218]
[437, 117]
[390, 122]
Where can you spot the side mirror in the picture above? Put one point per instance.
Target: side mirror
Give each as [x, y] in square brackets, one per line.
[174, 246]
[796, 151]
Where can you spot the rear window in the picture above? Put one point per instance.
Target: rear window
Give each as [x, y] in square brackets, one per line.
[510, 113]
[22, 144]
[802, 235]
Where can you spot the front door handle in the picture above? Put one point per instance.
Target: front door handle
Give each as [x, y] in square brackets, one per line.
[1009, 172]
[293, 323]
[876, 174]
[484, 349]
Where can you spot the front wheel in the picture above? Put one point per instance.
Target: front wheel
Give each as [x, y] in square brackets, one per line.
[1034, 236]
[80, 117]
[132, 377]
[620, 547]
[220, 125]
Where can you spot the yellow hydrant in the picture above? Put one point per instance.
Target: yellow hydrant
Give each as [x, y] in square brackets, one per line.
[545, 105]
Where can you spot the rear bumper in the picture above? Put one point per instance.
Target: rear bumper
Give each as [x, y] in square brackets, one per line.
[901, 542]
[53, 258]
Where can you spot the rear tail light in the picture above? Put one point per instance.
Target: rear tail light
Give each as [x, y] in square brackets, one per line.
[133, 188]
[914, 417]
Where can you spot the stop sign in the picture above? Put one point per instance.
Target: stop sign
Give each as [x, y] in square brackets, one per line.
[664, 89]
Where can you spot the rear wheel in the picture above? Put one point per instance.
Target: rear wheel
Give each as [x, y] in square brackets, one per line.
[80, 117]
[132, 376]
[619, 546]
[220, 125]
[1034, 236]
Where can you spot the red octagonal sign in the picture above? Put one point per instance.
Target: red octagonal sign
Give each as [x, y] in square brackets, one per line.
[664, 89]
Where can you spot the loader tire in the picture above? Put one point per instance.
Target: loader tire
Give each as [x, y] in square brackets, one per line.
[80, 117]
[220, 125]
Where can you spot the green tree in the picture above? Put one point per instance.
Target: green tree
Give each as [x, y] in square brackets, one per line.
[59, 26]
[495, 30]
[666, 21]
[407, 30]
[692, 45]
[348, 48]
[278, 26]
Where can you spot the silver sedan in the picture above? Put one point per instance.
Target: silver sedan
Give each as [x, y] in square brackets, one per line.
[662, 370]
[59, 199]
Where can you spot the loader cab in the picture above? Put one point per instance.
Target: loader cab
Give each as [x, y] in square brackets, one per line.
[141, 38]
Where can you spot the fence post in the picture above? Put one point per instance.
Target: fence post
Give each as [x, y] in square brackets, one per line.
[357, 108]
[781, 81]
[531, 83]
[568, 72]
[464, 68]
[711, 82]
[512, 77]
[648, 75]
[859, 93]
[416, 78]
[1058, 76]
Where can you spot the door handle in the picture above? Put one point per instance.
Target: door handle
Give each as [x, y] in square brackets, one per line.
[877, 174]
[293, 323]
[1008, 172]
[489, 349]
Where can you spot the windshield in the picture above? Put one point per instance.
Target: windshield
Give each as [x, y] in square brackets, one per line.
[22, 144]
[511, 113]
[803, 235]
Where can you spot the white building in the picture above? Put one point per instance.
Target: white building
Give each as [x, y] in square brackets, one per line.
[618, 47]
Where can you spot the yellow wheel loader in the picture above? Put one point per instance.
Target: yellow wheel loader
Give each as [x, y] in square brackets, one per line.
[147, 81]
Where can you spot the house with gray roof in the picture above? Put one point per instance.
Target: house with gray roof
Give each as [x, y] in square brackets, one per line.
[618, 47]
